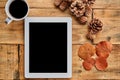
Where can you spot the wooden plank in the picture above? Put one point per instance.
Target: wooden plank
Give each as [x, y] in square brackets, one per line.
[112, 71]
[98, 4]
[107, 4]
[2, 4]
[79, 34]
[13, 33]
[51, 13]
[21, 62]
[41, 3]
[110, 18]
[9, 62]
[34, 4]
[111, 21]
[78, 72]
[34, 12]
[50, 4]
[2, 15]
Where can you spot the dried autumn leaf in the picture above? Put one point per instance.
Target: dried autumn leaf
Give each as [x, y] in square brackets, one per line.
[90, 60]
[101, 63]
[87, 66]
[86, 50]
[103, 49]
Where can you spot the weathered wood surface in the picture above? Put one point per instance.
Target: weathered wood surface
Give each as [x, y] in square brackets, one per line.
[78, 72]
[13, 33]
[49, 4]
[107, 10]
[9, 62]
[111, 28]
[12, 39]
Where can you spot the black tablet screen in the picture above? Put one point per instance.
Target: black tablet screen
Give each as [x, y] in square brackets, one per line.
[48, 47]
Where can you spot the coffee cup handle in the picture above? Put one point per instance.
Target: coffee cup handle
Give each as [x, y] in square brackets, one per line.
[8, 20]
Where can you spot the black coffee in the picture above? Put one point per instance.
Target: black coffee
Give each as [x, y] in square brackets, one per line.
[18, 8]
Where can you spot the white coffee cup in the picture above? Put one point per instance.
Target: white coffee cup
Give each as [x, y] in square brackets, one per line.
[10, 17]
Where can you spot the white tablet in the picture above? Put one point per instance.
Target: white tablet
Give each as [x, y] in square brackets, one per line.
[48, 47]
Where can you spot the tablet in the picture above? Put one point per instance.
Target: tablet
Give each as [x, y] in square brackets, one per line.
[48, 47]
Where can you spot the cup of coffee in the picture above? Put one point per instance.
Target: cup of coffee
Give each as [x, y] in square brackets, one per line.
[16, 10]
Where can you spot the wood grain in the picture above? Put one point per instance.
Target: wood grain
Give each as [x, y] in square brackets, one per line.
[13, 33]
[34, 12]
[12, 40]
[111, 27]
[9, 62]
[109, 4]
[78, 72]
[21, 61]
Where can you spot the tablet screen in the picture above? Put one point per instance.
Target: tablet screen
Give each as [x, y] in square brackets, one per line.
[47, 47]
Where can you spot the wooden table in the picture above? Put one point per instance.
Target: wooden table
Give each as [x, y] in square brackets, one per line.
[12, 40]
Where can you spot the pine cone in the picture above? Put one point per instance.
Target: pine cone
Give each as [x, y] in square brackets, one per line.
[88, 10]
[90, 36]
[83, 20]
[70, 1]
[95, 26]
[77, 8]
[85, 1]
[62, 4]
[90, 2]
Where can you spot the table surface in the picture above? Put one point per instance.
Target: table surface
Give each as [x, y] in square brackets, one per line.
[12, 42]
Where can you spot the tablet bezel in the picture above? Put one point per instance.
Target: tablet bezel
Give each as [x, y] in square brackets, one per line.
[68, 20]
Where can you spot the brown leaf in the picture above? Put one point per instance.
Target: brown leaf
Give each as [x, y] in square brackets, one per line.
[101, 63]
[86, 50]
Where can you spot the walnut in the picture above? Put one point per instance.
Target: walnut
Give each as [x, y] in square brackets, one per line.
[77, 8]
